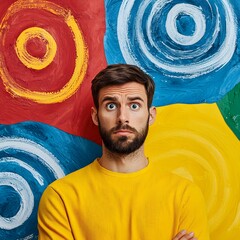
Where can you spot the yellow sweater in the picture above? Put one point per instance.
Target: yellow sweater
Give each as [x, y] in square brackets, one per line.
[94, 203]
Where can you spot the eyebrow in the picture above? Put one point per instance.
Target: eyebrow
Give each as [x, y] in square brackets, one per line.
[135, 98]
[114, 99]
[108, 98]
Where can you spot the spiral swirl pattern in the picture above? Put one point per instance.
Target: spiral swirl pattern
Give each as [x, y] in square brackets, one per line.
[25, 183]
[157, 20]
[190, 48]
[200, 147]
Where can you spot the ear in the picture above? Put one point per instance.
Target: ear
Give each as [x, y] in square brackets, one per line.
[152, 115]
[94, 115]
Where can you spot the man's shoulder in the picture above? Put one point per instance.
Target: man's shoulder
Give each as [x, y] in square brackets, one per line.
[74, 178]
[170, 178]
[70, 187]
[182, 187]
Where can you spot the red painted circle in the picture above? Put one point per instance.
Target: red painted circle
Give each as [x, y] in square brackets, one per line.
[36, 47]
[74, 114]
[58, 73]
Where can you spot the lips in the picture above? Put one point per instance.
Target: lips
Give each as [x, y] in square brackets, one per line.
[123, 128]
[123, 132]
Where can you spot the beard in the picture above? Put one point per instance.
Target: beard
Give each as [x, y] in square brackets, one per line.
[123, 145]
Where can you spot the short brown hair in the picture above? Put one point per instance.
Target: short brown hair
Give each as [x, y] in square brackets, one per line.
[117, 74]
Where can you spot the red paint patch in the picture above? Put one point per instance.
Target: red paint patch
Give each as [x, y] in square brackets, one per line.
[37, 47]
[73, 114]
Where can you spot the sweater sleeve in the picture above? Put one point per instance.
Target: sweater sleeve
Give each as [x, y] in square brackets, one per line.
[53, 220]
[193, 215]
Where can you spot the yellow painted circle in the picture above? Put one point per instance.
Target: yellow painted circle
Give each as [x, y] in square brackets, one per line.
[81, 61]
[29, 60]
[194, 142]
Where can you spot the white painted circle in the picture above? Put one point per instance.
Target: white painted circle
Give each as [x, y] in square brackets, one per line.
[20, 185]
[195, 13]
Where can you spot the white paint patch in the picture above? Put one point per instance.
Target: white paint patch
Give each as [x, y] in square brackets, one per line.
[20, 185]
[32, 148]
[26, 166]
[171, 26]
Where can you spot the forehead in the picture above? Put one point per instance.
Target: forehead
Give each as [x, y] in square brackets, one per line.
[126, 89]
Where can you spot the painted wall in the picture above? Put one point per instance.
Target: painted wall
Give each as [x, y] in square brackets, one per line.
[50, 51]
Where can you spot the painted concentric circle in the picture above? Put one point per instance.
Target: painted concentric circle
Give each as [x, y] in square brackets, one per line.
[191, 11]
[31, 159]
[153, 50]
[200, 147]
[210, 171]
[19, 160]
[190, 48]
[26, 58]
[20, 185]
[81, 52]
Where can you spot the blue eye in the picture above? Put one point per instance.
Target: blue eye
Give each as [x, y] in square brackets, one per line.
[134, 106]
[111, 106]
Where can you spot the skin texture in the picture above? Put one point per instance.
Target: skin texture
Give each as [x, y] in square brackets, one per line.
[123, 105]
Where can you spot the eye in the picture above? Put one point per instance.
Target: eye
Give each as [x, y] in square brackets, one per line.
[134, 106]
[111, 106]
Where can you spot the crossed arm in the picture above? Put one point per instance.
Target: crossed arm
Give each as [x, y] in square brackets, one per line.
[53, 220]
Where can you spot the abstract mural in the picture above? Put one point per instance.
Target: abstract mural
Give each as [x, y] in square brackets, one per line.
[184, 45]
[50, 51]
[32, 155]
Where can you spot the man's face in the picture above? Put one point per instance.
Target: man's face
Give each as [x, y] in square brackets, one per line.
[123, 117]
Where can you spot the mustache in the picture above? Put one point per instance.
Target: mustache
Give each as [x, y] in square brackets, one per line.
[123, 127]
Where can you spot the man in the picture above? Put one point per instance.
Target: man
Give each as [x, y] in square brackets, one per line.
[122, 195]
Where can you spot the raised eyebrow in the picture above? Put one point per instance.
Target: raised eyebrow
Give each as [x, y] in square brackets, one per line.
[135, 98]
[109, 98]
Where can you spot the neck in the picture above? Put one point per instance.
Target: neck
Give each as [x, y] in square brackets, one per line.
[123, 163]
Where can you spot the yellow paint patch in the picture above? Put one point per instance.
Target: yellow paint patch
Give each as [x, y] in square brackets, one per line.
[31, 61]
[194, 141]
[81, 61]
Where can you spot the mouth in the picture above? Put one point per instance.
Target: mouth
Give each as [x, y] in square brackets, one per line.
[123, 132]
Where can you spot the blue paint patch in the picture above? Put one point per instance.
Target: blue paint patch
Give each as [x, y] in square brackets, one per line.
[185, 25]
[32, 155]
[190, 48]
[9, 202]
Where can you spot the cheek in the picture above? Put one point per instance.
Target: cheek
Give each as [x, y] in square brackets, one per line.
[141, 116]
[106, 119]
[139, 120]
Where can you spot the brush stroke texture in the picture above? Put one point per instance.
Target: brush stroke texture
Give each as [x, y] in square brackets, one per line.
[193, 141]
[229, 106]
[32, 155]
[188, 47]
[79, 63]
[67, 22]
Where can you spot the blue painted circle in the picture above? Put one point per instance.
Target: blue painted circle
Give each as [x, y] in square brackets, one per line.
[9, 202]
[190, 48]
[185, 25]
[30, 159]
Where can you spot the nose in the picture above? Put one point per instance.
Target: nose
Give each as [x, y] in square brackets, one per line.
[122, 115]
